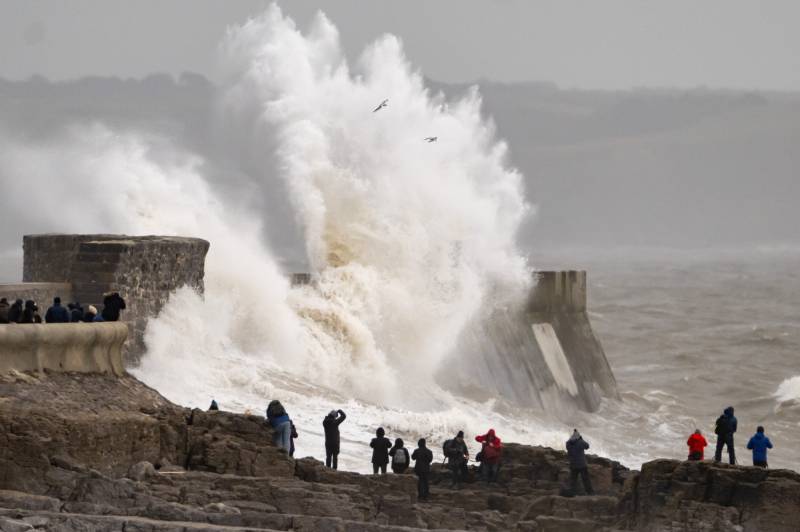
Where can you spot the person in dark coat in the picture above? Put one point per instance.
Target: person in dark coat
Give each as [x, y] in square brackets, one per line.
[380, 451]
[112, 305]
[90, 314]
[759, 444]
[15, 312]
[331, 425]
[293, 435]
[422, 457]
[4, 306]
[30, 314]
[576, 451]
[457, 456]
[75, 312]
[56, 313]
[214, 405]
[400, 457]
[725, 427]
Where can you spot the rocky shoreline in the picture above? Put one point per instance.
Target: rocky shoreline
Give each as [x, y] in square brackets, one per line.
[99, 453]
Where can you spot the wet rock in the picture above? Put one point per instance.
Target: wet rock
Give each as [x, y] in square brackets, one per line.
[77, 452]
[141, 471]
[14, 525]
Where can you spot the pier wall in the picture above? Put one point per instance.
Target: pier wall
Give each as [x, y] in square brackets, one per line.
[145, 270]
[63, 347]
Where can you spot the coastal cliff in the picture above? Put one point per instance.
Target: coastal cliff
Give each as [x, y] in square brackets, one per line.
[102, 453]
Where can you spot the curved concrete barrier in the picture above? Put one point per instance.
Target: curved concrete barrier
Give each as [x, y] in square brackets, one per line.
[78, 347]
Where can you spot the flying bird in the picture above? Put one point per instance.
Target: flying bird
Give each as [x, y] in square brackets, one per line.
[431, 139]
[383, 104]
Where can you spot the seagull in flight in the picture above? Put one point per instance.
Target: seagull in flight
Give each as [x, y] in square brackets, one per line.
[431, 139]
[383, 104]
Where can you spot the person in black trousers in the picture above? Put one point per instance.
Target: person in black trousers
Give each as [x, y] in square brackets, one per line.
[331, 425]
[380, 451]
[725, 427]
[422, 457]
[576, 451]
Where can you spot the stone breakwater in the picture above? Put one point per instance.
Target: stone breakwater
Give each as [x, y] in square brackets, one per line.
[144, 269]
[99, 453]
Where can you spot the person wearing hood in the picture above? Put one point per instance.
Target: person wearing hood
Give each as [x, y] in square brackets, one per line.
[4, 306]
[400, 457]
[380, 451]
[725, 427]
[331, 425]
[281, 424]
[90, 314]
[576, 451]
[30, 314]
[15, 312]
[75, 312]
[422, 457]
[113, 304]
[56, 313]
[759, 444]
[491, 455]
[697, 444]
[457, 455]
[214, 406]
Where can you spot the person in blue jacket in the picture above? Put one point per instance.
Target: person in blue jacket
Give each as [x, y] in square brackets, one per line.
[759, 443]
[57, 313]
[281, 425]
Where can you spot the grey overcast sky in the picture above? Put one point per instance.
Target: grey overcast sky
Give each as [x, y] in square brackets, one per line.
[609, 44]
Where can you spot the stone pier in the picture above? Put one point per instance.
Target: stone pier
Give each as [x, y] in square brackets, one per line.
[145, 270]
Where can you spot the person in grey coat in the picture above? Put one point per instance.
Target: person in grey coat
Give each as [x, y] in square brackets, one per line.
[576, 451]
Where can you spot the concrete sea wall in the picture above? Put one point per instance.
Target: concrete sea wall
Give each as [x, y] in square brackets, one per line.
[63, 347]
[557, 313]
[541, 354]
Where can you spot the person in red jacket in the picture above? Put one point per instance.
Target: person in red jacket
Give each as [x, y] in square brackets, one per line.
[491, 455]
[696, 443]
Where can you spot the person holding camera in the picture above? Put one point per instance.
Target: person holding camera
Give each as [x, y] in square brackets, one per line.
[576, 450]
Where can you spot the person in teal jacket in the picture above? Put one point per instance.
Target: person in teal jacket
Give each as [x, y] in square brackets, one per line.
[759, 443]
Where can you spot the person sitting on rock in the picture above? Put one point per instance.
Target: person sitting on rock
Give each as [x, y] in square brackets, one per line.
[400, 457]
[4, 306]
[56, 313]
[90, 314]
[491, 455]
[576, 451]
[15, 312]
[457, 455]
[214, 406]
[281, 425]
[380, 451]
[697, 444]
[725, 427]
[331, 425]
[759, 444]
[422, 457]
[31, 313]
[113, 304]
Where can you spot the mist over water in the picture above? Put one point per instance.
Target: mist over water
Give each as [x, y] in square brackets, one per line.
[409, 242]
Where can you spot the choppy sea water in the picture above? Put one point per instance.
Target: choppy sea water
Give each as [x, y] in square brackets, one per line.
[688, 333]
